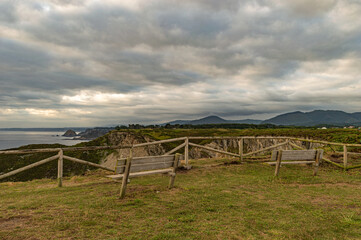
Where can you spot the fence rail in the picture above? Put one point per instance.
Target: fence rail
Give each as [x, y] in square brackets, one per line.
[186, 144]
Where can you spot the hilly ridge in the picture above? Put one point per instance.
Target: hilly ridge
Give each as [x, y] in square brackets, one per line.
[317, 117]
[298, 118]
[213, 120]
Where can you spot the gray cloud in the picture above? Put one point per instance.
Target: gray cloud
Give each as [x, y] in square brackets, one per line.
[93, 63]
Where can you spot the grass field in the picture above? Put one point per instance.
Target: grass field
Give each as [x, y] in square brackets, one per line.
[214, 200]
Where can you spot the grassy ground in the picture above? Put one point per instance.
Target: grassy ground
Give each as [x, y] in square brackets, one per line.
[212, 201]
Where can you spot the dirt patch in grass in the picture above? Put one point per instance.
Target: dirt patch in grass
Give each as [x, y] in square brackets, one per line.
[328, 185]
[13, 222]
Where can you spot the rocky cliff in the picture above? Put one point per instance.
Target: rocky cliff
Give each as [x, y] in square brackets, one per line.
[128, 138]
[249, 145]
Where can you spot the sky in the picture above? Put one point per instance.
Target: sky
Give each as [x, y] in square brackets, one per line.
[109, 62]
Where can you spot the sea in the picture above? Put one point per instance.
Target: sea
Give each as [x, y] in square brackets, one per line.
[14, 139]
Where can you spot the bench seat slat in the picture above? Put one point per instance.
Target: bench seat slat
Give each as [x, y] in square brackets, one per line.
[145, 167]
[148, 159]
[293, 155]
[138, 174]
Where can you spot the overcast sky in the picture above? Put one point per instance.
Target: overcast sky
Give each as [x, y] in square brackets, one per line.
[109, 62]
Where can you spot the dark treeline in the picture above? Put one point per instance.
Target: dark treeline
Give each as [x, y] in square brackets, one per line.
[205, 126]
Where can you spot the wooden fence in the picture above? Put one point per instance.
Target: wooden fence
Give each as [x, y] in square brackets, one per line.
[186, 144]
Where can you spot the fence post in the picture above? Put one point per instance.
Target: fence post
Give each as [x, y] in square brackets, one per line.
[186, 153]
[240, 150]
[345, 157]
[60, 168]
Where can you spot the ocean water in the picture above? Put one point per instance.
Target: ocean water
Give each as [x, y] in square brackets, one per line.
[14, 139]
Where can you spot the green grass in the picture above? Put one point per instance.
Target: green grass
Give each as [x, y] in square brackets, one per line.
[212, 201]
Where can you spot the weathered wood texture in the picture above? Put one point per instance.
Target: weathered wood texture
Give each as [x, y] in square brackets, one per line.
[138, 174]
[240, 149]
[60, 168]
[174, 170]
[296, 157]
[140, 164]
[186, 152]
[289, 155]
[125, 177]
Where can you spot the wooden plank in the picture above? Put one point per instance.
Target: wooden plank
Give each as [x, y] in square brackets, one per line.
[145, 164]
[265, 149]
[27, 151]
[213, 138]
[19, 170]
[43, 150]
[138, 174]
[214, 150]
[292, 162]
[60, 168]
[175, 149]
[147, 159]
[87, 163]
[289, 155]
[146, 167]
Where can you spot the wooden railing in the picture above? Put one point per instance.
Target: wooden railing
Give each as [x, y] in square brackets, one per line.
[186, 144]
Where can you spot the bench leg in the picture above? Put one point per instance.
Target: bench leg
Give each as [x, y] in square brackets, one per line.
[171, 180]
[317, 163]
[125, 177]
[278, 163]
[173, 173]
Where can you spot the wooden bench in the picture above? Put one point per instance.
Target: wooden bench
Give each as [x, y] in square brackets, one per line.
[140, 166]
[296, 157]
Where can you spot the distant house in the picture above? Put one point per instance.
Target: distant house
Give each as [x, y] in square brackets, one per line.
[351, 126]
[324, 128]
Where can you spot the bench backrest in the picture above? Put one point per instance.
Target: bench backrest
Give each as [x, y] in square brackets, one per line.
[297, 155]
[141, 164]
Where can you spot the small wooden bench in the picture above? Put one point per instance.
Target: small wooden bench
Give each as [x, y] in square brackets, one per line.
[296, 157]
[140, 166]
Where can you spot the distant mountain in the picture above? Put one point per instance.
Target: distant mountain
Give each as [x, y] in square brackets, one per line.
[212, 120]
[317, 117]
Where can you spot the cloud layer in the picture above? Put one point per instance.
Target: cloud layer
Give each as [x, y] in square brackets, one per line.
[87, 63]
